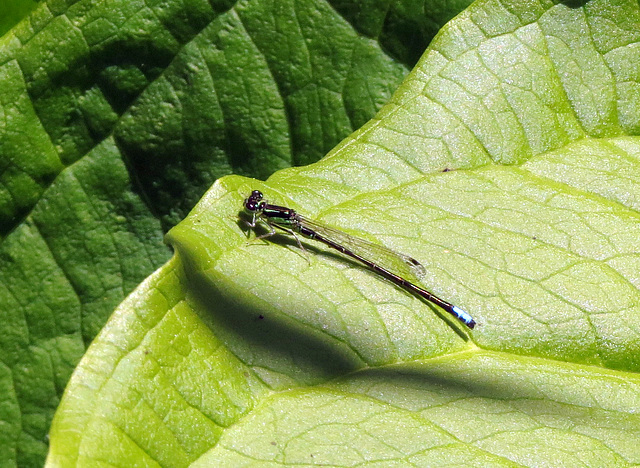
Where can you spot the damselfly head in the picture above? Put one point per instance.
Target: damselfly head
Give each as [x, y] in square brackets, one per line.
[254, 202]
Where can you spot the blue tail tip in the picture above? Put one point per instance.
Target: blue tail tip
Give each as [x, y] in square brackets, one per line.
[464, 317]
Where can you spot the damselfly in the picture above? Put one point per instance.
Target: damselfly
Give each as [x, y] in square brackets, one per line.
[392, 265]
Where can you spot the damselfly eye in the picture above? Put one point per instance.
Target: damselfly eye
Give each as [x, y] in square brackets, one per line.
[256, 195]
[250, 204]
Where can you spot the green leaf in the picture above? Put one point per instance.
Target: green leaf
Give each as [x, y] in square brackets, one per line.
[118, 115]
[478, 408]
[507, 164]
[86, 243]
[12, 11]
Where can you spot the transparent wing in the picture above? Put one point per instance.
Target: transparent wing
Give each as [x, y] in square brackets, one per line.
[396, 262]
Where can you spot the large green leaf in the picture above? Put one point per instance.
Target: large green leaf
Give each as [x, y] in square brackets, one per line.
[507, 164]
[118, 115]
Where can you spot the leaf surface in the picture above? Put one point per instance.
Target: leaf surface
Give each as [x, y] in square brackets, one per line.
[115, 116]
[505, 163]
